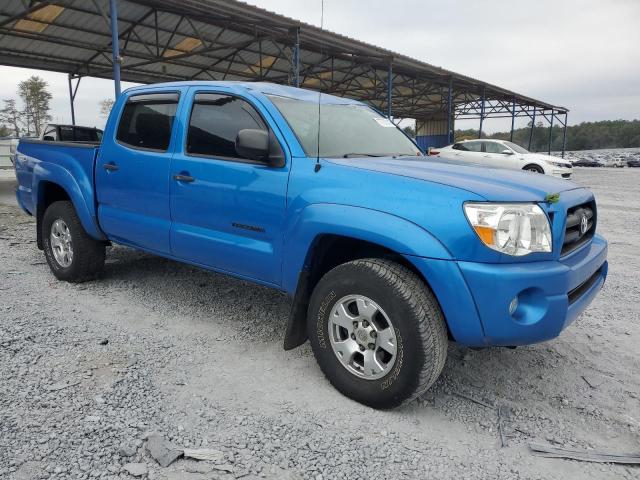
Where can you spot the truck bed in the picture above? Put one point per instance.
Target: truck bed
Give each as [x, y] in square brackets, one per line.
[69, 163]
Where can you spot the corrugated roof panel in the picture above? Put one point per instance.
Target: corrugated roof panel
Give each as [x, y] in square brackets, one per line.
[223, 39]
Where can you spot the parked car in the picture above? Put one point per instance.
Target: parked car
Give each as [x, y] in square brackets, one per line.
[633, 162]
[617, 163]
[385, 254]
[489, 153]
[53, 132]
[587, 162]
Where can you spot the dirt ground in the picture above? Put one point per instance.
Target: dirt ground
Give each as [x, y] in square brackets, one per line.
[88, 371]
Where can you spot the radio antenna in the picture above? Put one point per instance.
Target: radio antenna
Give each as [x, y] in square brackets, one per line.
[318, 166]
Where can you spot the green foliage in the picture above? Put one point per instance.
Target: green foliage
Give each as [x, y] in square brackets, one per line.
[105, 107]
[409, 130]
[10, 117]
[35, 96]
[585, 136]
[552, 198]
[4, 131]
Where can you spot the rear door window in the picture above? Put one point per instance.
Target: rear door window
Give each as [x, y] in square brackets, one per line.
[469, 146]
[494, 147]
[147, 120]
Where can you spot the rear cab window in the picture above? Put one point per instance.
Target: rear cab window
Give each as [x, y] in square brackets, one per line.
[78, 134]
[147, 121]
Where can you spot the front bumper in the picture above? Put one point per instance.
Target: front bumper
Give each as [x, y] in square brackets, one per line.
[475, 297]
[561, 172]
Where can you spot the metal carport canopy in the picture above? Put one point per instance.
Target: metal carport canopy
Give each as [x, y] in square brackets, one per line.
[165, 40]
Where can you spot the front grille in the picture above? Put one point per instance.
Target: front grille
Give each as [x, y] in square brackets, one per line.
[575, 234]
[577, 292]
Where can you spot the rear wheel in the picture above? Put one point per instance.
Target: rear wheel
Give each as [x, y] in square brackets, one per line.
[377, 332]
[533, 168]
[71, 253]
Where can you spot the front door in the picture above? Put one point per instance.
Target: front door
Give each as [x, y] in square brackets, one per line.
[495, 157]
[132, 173]
[227, 210]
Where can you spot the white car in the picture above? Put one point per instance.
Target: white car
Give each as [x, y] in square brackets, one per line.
[502, 154]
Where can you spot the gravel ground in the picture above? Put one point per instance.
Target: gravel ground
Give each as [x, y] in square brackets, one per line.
[90, 371]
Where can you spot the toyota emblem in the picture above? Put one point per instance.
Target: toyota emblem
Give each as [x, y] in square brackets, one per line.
[584, 224]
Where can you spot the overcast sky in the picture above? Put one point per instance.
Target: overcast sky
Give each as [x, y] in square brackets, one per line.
[581, 54]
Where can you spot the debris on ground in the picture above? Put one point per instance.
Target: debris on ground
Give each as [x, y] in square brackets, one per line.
[207, 454]
[585, 455]
[162, 451]
[135, 469]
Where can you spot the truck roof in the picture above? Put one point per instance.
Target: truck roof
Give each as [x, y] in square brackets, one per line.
[266, 88]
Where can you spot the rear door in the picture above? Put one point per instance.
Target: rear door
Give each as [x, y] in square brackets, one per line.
[227, 210]
[132, 172]
[469, 153]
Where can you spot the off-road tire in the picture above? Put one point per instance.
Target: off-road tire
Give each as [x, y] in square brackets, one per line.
[88, 253]
[418, 322]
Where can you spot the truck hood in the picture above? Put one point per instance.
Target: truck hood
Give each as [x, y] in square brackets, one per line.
[492, 184]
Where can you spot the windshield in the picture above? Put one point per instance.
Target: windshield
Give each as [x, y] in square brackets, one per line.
[345, 130]
[516, 148]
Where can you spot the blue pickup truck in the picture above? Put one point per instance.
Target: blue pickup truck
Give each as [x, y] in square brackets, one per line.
[387, 255]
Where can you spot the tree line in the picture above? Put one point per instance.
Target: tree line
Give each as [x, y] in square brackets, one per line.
[584, 136]
[29, 118]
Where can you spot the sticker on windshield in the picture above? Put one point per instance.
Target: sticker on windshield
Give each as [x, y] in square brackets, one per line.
[384, 122]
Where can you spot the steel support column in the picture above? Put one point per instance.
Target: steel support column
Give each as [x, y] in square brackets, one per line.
[564, 134]
[533, 124]
[513, 117]
[72, 97]
[389, 88]
[450, 113]
[296, 57]
[115, 46]
[550, 132]
[484, 92]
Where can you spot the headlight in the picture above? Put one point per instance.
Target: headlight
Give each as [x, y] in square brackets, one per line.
[512, 228]
[559, 164]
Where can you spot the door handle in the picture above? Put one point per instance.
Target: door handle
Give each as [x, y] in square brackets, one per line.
[183, 178]
[111, 167]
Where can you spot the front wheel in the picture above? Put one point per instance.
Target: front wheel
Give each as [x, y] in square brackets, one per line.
[533, 169]
[377, 332]
[71, 253]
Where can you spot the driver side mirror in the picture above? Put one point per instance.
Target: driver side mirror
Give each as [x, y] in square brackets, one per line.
[252, 144]
[48, 138]
[506, 152]
[256, 144]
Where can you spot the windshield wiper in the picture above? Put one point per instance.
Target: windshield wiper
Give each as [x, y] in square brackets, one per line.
[349, 155]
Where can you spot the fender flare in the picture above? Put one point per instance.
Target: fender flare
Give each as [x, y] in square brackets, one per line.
[52, 173]
[381, 228]
[392, 232]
